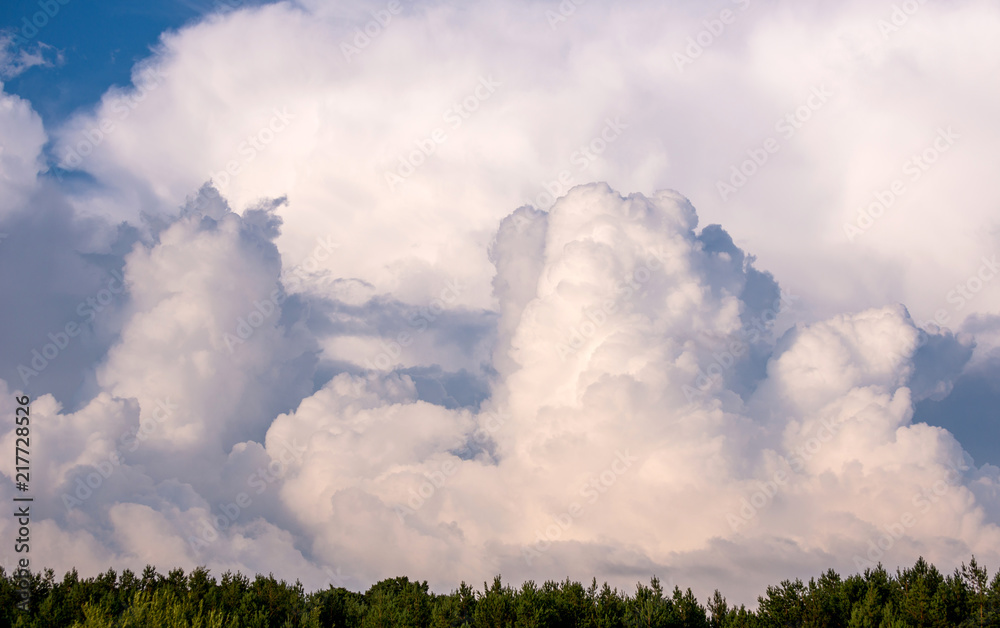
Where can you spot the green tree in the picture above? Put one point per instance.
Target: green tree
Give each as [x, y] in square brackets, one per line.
[783, 606]
[870, 609]
[609, 607]
[826, 604]
[921, 600]
[649, 608]
[397, 602]
[976, 580]
[495, 607]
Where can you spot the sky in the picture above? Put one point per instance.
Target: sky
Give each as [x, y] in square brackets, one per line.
[347, 291]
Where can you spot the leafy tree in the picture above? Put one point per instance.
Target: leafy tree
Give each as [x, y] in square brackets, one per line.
[609, 607]
[454, 610]
[915, 597]
[921, 597]
[495, 607]
[976, 581]
[783, 606]
[874, 606]
[397, 602]
[649, 608]
[338, 607]
[826, 604]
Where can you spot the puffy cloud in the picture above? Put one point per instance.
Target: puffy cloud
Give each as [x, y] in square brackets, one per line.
[850, 108]
[20, 157]
[825, 438]
[384, 370]
[607, 446]
[641, 418]
[69, 269]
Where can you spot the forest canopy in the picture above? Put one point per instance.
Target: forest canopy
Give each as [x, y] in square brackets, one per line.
[917, 596]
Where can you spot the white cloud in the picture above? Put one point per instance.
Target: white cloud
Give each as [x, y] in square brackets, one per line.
[20, 150]
[655, 403]
[632, 424]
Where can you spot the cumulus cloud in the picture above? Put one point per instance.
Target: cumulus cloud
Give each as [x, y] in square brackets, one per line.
[641, 416]
[607, 112]
[20, 159]
[284, 323]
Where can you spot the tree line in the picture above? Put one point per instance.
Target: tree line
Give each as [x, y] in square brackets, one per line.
[920, 596]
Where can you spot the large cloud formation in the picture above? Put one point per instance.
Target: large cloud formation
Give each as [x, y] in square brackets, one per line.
[641, 418]
[269, 354]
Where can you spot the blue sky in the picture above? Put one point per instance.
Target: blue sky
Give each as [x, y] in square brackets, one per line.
[99, 41]
[449, 289]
